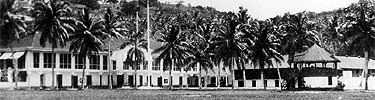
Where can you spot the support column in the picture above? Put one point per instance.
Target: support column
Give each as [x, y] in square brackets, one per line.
[28, 79]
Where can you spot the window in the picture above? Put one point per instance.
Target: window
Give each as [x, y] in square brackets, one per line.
[330, 80]
[114, 64]
[265, 83]
[80, 61]
[21, 62]
[356, 73]
[22, 76]
[36, 60]
[105, 63]
[125, 66]
[48, 60]
[155, 65]
[94, 62]
[65, 61]
[254, 83]
[276, 83]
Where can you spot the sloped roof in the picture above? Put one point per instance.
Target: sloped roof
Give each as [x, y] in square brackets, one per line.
[314, 54]
[32, 42]
[354, 63]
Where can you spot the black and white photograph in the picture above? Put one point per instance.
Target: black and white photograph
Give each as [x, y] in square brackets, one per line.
[187, 49]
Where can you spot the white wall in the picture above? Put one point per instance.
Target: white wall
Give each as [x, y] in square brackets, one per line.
[355, 82]
[320, 82]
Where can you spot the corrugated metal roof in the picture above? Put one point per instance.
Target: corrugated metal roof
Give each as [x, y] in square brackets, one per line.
[354, 63]
[314, 54]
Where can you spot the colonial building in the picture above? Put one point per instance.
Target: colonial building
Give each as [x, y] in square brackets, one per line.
[351, 69]
[30, 65]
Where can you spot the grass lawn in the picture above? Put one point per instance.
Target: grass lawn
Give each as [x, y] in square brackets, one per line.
[103, 94]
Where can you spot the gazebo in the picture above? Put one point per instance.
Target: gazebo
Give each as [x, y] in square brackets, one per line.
[313, 63]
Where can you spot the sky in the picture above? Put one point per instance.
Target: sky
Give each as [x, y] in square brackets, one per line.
[263, 9]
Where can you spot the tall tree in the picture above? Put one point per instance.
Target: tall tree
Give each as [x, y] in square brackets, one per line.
[54, 24]
[172, 27]
[297, 36]
[202, 50]
[266, 47]
[200, 56]
[361, 18]
[174, 49]
[135, 55]
[114, 30]
[12, 27]
[229, 43]
[87, 40]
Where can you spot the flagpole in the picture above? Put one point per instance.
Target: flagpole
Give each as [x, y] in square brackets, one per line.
[149, 64]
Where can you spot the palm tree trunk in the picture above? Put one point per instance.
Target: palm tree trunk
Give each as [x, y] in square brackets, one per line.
[279, 74]
[135, 74]
[232, 69]
[135, 54]
[263, 78]
[170, 75]
[244, 76]
[365, 69]
[218, 77]
[135, 66]
[15, 66]
[53, 68]
[200, 77]
[83, 75]
[109, 64]
[205, 79]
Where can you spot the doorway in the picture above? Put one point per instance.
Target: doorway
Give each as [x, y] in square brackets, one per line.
[160, 81]
[223, 81]
[180, 81]
[130, 80]
[59, 79]
[213, 81]
[74, 81]
[41, 81]
[140, 80]
[120, 80]
[89, 80]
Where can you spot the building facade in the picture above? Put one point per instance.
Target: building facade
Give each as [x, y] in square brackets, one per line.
[33, 68]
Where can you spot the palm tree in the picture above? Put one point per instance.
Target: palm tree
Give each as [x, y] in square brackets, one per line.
[12, 26]
[54, 24]
[361, 31]
[87, 40]
[136, 42]
[297, 37]
[266, 47]
[333, 32]
[113, 29]
[199, 55]
[174, 49]
[230, 44]
[202, 50]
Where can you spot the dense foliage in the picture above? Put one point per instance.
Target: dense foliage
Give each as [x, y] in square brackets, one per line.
[200, 35]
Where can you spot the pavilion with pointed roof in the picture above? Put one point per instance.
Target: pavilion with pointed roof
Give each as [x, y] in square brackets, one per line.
[315, 54]
[313, 64]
